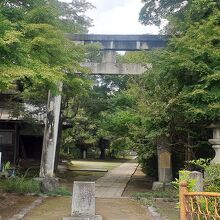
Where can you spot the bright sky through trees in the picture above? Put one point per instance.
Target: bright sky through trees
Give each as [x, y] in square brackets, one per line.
[117, 17]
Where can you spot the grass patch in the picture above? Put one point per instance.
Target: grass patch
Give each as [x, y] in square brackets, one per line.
[165, 202]
[61, 191]
[23, 185]
[170, 194]
[20, 185]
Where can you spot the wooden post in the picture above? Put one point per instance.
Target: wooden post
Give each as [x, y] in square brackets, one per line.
[182, 190]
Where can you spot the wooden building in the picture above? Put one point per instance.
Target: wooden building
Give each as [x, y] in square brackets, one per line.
[18, 138]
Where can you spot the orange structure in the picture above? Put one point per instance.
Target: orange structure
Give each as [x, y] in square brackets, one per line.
[198, 205]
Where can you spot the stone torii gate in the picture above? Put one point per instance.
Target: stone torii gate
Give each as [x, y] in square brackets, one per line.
[112, 43]
[109, 45]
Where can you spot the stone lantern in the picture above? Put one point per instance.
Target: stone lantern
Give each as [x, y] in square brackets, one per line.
[215, 141]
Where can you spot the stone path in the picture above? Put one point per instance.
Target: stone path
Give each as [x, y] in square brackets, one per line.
[112, 185]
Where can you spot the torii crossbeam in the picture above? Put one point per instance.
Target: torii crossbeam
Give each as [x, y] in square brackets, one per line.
[112, 43]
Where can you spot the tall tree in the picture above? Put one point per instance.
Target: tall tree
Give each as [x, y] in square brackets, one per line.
[179, 13]
[34, 49]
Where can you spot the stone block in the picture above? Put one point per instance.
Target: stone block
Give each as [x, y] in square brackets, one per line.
[49, 184]
[157, 186]
[198, 176]
[83, 200]
[96, 217]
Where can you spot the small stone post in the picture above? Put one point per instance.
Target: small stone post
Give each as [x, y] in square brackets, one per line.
[198, 177]
[215, 141]
[84, 154]
[83, 202]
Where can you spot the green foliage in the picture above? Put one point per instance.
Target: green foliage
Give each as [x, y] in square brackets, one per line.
[171, 194]
[133, 57]
[89, 113]
[178, 11]
[6, 167]
[35, 53]
[198, 165]
[61, 191]
[184, 176]
[21, 185]
[212, 178]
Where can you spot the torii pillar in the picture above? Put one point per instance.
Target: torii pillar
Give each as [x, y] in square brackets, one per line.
[50, 134]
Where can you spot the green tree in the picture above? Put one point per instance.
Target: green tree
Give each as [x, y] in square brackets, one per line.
[184, 97]
[34, 48]
[153, 12]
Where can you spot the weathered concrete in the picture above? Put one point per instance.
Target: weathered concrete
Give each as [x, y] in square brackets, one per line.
[50, 135]
[109, 56]
[116, 68]
[83, 200]
[112, 43]
[96, 217]
[157, 186]
[216, 141]
[122, 42]
[49, 184]
[198, 177]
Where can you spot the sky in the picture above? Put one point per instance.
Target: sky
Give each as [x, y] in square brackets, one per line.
[117, 17]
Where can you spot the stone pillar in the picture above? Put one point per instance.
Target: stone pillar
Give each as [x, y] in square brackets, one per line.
[216, 141]
[164, 160]
[84, 154]
[109, 56]
[50, 135]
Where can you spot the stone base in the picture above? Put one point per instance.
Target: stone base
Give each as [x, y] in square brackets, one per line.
[161, 186]
[96, 217]
[48, 184]
[157, 186]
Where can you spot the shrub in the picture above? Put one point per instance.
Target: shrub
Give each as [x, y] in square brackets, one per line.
[212, 178]
[149, 165]
[21, 185]
[197, 165]
[184, 176]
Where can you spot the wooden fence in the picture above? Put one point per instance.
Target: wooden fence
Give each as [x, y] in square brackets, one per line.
[198, 205]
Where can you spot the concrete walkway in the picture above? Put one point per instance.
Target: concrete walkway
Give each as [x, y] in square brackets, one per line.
[112, 185]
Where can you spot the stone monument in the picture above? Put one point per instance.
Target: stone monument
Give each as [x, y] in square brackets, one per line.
[164, 164]
[83, 202]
